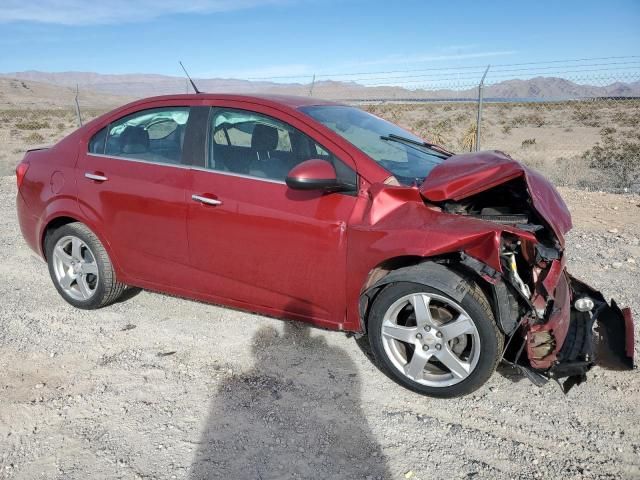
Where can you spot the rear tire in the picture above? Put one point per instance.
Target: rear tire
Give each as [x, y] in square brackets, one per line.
[80, 267]
[425, 340]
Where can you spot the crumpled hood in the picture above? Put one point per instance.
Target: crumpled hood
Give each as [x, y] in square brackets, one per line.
[464, 175]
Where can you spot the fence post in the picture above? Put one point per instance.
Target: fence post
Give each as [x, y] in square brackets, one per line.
[78, 106]
[480, 96]
[313, 82]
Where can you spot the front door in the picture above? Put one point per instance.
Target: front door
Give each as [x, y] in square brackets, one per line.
[254, 240]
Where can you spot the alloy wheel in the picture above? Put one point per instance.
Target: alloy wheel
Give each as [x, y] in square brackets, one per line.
[75, 268]
[430, 339]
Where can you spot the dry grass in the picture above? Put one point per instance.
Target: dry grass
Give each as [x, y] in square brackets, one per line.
[551, 137]
[21, 129]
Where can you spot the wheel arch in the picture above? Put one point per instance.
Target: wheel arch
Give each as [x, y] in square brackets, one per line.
[62, 219]
[51, 226]
[449, 273]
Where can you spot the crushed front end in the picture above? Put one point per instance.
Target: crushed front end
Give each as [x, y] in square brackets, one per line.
[568, 326]
[557, 327]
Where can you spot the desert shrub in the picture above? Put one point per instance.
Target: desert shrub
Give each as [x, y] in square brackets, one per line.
[624, 118]
[586, 115]
[607, 131]
[528, 120]
[468, 141]
[618, 157]
[34, 138]
[60, 126]
[506, 129]
[528, 142]
[443, 124]
[32, 125]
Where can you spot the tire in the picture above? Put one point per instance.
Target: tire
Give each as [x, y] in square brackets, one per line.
[80, 267]
[478, 347]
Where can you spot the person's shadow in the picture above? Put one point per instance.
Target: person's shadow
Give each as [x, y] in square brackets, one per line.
[295, 414]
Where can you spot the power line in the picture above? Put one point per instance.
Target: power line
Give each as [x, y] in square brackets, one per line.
[450, 69]
[450, 80]
[452, 76]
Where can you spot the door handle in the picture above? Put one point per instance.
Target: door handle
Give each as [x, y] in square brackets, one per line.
[96, 177]
[205, 200]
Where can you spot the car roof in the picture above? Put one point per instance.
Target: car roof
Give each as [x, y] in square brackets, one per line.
[291, 101]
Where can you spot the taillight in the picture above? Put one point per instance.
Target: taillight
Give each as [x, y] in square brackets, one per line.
[21, 171]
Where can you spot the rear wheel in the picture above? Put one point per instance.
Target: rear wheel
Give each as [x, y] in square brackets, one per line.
[80, 267]
[427, 341]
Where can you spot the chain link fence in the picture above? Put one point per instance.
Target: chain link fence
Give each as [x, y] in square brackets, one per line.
[576, 121]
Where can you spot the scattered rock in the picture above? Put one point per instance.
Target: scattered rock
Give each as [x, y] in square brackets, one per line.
[166, 354]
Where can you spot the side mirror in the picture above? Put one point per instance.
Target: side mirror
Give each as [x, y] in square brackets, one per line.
[314, 174]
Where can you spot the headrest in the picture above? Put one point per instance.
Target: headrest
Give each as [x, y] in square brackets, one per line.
[264, 138]
[134, 140]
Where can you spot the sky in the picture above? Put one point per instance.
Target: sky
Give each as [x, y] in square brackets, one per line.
[299, 38]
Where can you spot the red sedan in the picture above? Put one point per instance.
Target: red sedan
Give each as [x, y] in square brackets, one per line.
[314, 211]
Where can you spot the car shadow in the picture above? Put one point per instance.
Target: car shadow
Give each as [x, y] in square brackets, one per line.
[296, 413]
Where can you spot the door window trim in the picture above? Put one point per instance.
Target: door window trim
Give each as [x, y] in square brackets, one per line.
[209, 138]
[107, 127]
[238, 175]
[138, 160]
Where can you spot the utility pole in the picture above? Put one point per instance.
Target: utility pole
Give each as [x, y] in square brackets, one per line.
[78, 116]
[313, 82]
[480, 97]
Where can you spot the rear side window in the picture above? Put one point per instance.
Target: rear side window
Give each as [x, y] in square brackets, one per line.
[96, 145]
[154, 135]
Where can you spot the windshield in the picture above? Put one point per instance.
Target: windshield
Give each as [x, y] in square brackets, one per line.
[395, 149]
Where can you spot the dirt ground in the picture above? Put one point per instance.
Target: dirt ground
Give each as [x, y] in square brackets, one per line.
[160, 387]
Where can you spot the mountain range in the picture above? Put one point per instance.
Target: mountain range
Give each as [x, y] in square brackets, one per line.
[129, 86]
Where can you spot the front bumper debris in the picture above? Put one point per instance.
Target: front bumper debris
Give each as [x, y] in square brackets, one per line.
[603, 336]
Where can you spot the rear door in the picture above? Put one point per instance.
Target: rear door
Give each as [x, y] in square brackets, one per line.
[251, 238]
[132, 183]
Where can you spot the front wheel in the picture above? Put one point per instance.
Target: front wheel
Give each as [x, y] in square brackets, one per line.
[430, 343]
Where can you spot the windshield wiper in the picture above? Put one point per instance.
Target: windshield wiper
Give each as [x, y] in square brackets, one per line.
[397, 138]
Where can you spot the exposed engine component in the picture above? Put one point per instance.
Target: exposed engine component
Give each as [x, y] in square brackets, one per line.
[510, 257]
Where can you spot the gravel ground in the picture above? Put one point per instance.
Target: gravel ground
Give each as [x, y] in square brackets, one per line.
[160, 387]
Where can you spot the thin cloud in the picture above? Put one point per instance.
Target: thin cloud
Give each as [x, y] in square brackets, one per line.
[82, 12]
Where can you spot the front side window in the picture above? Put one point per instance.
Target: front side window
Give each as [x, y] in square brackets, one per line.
[257, 145]
[402, 156]
[154, 135]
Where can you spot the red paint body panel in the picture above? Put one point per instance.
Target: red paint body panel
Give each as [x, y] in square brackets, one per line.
[464, 175]
[267, 248]
[270, 246]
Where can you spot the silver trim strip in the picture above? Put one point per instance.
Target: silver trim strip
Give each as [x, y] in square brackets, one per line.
[208, 201]
[97, 178]
[138, 160]
[239, 175]
[189, 167]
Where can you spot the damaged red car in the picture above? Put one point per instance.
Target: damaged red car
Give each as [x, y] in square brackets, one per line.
[309, 210]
